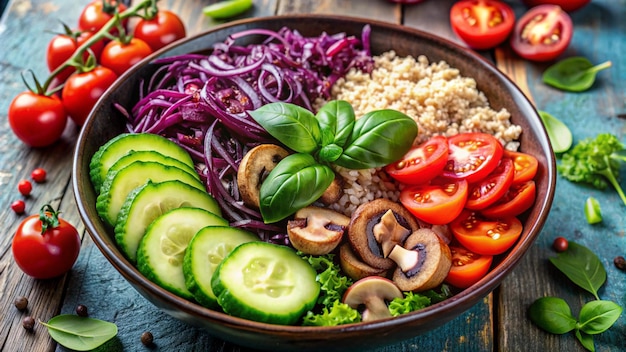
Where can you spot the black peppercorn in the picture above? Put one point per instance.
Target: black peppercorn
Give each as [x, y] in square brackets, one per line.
[21, 303]
[620, 262]
[28, 323]
[147, 338]
[81, 310]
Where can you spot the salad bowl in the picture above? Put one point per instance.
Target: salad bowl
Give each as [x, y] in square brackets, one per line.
[106, 121]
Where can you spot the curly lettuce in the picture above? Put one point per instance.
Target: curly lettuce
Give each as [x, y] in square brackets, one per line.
[338, 314]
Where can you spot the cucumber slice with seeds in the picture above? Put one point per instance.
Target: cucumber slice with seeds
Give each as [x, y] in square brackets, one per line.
[206, 251]
[118, 184]
[151, 155]
[148, 202]
[265, 282]
[162, 249]
[119, 146]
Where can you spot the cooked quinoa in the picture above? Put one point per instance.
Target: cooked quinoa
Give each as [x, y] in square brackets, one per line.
[434, 94]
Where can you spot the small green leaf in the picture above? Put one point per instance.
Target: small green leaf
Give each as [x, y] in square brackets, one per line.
[294, 126]
[593, 212]
[586, 340]
[553, 315]
[581, 266]
[80, 333]
[597, 316]
[337, 116]
[330, 153]
[574, 74]
[559, 134]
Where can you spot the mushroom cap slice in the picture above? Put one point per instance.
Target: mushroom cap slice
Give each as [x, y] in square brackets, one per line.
[431, 265]
[334, 192]
[361, 231]
[316, 230]
[254, 168]
[373, 292]
[354, 267]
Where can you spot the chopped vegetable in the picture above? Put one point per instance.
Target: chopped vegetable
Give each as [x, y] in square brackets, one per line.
[409, 303]
[592, 211]
[559, 134]
[227, 9]
[332, 282]
[338, 314]
[594, 161]
[574, 74]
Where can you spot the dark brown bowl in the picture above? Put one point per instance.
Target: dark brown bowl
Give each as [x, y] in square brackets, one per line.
[105, 122]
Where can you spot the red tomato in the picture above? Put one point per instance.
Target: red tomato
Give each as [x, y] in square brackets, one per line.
[119, 56]
[543, 33]
[39, 175]
[519, 198]
[472, 156]
[48, 252]
[482, 24]
[166, 27]
[422, 163]
[567, 5]
[63, 46]
[82, 91]
[525, 166]
[488, 190]
[24, 187]
[467, 267]
[437, 202]
[18, 206]
[37, 120]
[484, 236]
[97, 13]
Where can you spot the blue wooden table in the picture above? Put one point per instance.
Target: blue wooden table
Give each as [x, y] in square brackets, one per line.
[498, 323]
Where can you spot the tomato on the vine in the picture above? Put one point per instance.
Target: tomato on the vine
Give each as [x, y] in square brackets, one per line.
[519, 198]
[525, 165]
[472, 156]
[44, 245]
[62, 46]
[543, 33]
[82, 91]
[482, 24]
[120, 56]
[487, 191]
[567, 5]
[164, 28]
[97, 13]
[467, 267]
[437, 202]
[37, 120]
[485, 236]
[422, 163]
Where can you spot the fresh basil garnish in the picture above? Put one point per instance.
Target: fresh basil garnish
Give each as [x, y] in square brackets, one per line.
[597, 316]
[553, 315]
[80, 333]
[581, 266]
[337, 118]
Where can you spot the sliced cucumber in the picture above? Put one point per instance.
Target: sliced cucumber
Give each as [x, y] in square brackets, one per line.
[151, 155]
[265, 282]
[118, 184]
[206, 251]
[147, 202]
[119, 146]
[162, 249]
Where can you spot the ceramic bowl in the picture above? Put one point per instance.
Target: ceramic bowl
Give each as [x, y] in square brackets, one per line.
[106, 122]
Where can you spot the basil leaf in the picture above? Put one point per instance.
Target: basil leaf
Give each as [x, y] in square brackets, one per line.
[574, 74]
[559, 134]
[552, 314]
[292, 125]
[597, 316]
[337, 117]
[80, 333]
[581, 266]
[379, 138]
[330, 153]
[296, 182]
[586, 340]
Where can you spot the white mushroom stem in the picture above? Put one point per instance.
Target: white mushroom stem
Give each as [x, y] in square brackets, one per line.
[406, 259]
[373, 292]
[389, 233]
[375, 309]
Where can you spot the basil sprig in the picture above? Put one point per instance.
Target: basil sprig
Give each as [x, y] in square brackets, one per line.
[80, 333]
[333, 135]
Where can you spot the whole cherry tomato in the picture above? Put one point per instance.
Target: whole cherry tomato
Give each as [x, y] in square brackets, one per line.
[164, 28]
[62, 46]
[97, 13]
[44, 245]
[37, 120]
[543, 33]
[119, 56]
[482, 24]
[82, 91]
[422, 163]
[567, 5]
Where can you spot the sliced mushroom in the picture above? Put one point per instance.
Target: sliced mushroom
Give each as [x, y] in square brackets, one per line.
[254, 168]
[334, 192]
[373, 292]
[352, 266]
[423, 262]
[317, 230]
[376, 227]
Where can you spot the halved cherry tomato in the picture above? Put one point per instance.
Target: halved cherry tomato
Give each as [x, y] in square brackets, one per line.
[487, 191]
[164, 28]
[437, 202]
[119, 56]
[567, 5]
[62, 46]
[482, 24]
[485, 236]
[97, 13]
[517, 200]
[82, 90]
[467, 267]
[422, 163]
[543, 33]
[525, 165]
[472, 156]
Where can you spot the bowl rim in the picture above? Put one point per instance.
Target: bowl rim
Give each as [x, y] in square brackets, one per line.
[464, 299]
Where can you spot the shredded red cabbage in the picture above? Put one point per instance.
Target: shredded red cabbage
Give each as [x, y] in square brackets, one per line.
[201, 101]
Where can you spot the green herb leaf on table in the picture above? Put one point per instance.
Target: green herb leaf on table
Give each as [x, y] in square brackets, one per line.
[593, 213]
[586, 340]
[597, 316]
[581, 266]
[574, 74]
[559, 134]
[553, 315]
[80, 333]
